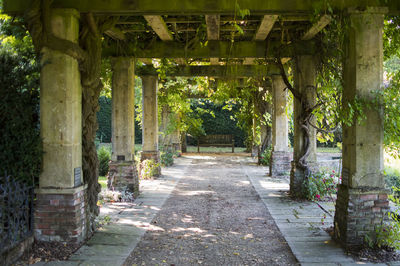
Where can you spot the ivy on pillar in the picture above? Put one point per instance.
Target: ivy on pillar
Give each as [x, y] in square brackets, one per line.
[362, 201]
[123, 175]
[304, 82]
[60, 212]
[150, 149]
[280, 156]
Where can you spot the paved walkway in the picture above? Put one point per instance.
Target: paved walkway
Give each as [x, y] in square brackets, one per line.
[213, 210]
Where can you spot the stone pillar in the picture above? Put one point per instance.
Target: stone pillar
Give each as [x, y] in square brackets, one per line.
[150, 120]
[280, 157]
[183, 142]
[169, 137]
[254, 148]
[123, 175]
[176, 142]
[60, 212]
[362, 202]
[304, 81]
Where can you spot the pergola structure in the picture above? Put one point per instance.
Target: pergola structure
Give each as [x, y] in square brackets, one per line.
[202, 32]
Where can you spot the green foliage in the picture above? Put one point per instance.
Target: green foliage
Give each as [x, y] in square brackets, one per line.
[391, 37]
[389, 99]
[320, 185]
[167, 158]
[388, 235]
[104, 157]
[104, 120]
[266, 156]
[392, 181]
[218, 119]
[149, 169]
[21, 146]
[104, 114]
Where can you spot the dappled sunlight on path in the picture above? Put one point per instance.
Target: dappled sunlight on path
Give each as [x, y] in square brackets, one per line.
[213, 217]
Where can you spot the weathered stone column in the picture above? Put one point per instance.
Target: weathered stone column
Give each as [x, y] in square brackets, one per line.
[60, 212]
[254, 148]
[123, 175]
[176, 142]
[362, 200]
[169, 137]
[280, 157]
[304, 81]
[150, 119]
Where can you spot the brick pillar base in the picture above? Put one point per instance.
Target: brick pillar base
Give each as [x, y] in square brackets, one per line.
[60, 215]
[358, 212]
[123, 176]
[152, 155]
[280, 163]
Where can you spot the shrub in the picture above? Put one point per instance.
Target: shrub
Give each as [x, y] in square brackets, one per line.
[266, 156]
[149, 169]
[321, 184]
[392, 180]
[167, 158]
[20, 142]
[387, 236]
[104, 157]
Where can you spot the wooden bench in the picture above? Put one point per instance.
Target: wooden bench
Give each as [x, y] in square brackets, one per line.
[216, 141]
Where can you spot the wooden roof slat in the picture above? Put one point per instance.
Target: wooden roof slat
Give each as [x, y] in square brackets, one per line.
[115, 33]
[317, 27]
[265, 27]
[213, 29]
[160, 28]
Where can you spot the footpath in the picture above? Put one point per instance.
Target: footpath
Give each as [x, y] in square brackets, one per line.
[214, 210]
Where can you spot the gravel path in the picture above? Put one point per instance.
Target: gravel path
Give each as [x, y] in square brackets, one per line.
[213, 217]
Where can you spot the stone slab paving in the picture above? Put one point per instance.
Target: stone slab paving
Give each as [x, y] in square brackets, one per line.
[113, 243]
[301, 223]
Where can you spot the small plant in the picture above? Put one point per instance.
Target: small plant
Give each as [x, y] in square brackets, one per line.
[387, 235]
[167, 158]
[266, 156]
[321, 184]
[104, 157]
[149, 169]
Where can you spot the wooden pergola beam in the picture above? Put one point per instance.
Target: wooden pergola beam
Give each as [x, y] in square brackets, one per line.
[200, 7]
[265, 27]
[213, 25]
[262, 32]
[317, 27]
[159, 27]
[115, 33]
[220, 49]
[235, 71]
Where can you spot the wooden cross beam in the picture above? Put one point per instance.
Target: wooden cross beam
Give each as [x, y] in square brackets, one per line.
[230, 71]
[214, 49]
[200, 7]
